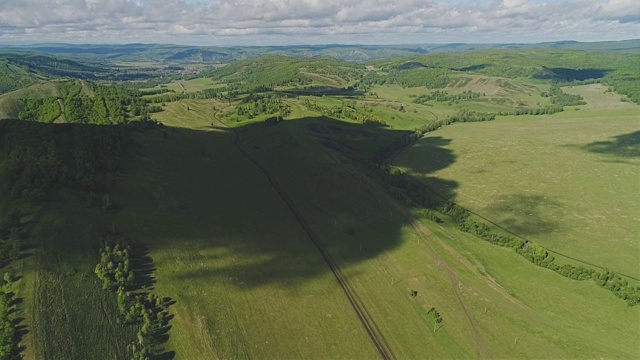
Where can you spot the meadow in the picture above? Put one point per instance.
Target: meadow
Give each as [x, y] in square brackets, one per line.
[560, 180]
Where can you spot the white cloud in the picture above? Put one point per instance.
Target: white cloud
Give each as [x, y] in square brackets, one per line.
[316, 21]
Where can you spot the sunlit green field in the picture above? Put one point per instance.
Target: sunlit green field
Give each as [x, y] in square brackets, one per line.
[568, 181]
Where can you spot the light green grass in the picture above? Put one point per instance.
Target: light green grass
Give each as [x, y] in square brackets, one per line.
[180, 86]
[574, 319]
[569, 183]
[67, 313]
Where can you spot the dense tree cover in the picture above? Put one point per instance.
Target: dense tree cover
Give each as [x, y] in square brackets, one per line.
[96, 155]
[106, 106]
[444, 96]
[33, 163]
[215, 93]
[257, 104]
[547, 110]
[627, 84]
[560, 98]
[347, 110]
[36, 158]
[13, 77]
[11, 237]
[114, 268]
[8, 332]
[95, 104]
[43, 110]
[136, 306]
[430, 215]
[155, 91]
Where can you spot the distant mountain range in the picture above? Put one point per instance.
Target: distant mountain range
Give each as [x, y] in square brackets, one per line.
[180, 54]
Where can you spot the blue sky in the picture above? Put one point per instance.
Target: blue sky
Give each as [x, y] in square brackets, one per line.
[281, 22]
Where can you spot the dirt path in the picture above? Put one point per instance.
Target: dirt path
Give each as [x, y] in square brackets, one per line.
[61, 117]
[184, 91]
[361, 311]
[481, 347]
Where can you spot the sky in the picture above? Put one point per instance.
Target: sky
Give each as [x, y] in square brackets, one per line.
[297, 22]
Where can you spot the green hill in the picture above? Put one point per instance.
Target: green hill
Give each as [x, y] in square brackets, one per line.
[13, 77]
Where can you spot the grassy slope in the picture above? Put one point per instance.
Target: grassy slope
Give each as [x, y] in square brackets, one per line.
[222, 320]
[66, 312]
[246, 281]
[11, 104]
[575, 319]
[560, 180]
[13, 77]
[70, 316]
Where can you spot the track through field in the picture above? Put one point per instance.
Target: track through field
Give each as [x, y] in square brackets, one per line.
[361, 311]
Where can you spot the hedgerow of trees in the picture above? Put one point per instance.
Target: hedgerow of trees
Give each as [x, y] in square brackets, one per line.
[433, 78]
[136, 305]
[413, 193]
[11, 237]
[347, 110]
[417, 134]
[444, 96]
[257, 104]
[8, 332]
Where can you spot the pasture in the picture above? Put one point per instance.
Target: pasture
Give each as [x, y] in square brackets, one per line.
[568, 181]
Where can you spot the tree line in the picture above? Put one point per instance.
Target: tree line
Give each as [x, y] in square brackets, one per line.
[12, 235]
[9, 336]
[257, 104]
[418, 133]
[108, 105]
[444, 96]
[136, 305]
[41, 157]
[347, 110]
[433, 78]
[415, 194]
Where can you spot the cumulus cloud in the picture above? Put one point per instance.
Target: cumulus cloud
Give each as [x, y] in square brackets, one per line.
[316, 21]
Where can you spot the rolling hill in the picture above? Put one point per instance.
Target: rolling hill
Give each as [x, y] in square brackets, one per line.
[432, 206]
